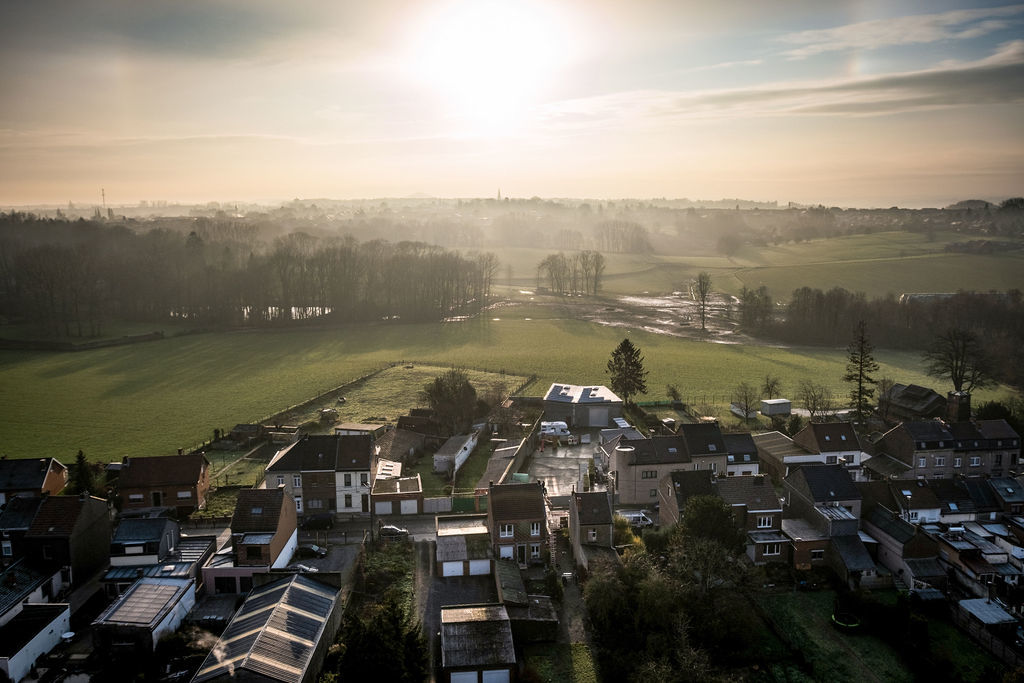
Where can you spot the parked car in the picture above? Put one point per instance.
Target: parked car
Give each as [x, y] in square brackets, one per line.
[320, 520]
[312, 550]
[638, 519]
[392, 531]
[304, 568]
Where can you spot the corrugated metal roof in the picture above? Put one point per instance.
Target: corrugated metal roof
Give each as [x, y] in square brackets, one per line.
[275, 632]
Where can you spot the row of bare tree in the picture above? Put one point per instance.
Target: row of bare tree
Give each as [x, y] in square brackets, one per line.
[71, 281]
[579, 273]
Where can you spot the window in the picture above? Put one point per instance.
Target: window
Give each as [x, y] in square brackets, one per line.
[997, 459]
[831, 460]
[941, 445]
[654, 493]
[913, 515]
[772, 549]
[7, 550]
[535, 528]
[297, 481]
[649, 474]
[975, 460]
[591, 536]
[938, 475]
[535, 551]
[507, 531]
[184, 494]
[348, 479]
[316, 504]
[957, 462]
[818, 554]
[363, 479]
[47, 552]
[940, 461]
[712, 448]
[922, 461]
[280, 480]
[348, 500]
[298, 503]
[714, 467]
[256, 511]
[764, 522]
[135, 497]
[253, 552]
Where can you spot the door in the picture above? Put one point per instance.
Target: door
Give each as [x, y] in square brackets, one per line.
[521, 553]
[506, 552]
[410, 507]
[451, 569]
[382, 507]
[464, 677]
[495, 676]
[158, 499]
[479, 567]
[366, 503]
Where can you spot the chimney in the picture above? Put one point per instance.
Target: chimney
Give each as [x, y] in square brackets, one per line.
[958, 406]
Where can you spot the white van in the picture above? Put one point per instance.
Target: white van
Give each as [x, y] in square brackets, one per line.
[638, 519]
[554, 429]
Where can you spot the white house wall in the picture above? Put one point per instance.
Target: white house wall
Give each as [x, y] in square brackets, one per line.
[287, 552]
[18, 666]
[170, 623]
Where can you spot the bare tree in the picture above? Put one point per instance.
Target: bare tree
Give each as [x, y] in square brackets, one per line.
[702, 289]
[957, 355]
[771, 387]
[817, 399]
[745, 398]
[885, 386]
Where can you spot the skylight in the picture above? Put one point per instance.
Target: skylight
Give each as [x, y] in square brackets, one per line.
[712, 447]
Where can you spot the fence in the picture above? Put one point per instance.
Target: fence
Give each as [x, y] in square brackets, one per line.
[999, 649]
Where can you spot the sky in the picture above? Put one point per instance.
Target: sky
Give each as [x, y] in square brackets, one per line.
[844, 103]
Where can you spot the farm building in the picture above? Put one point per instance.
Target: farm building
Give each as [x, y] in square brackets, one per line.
[582, 406]
[455, 451]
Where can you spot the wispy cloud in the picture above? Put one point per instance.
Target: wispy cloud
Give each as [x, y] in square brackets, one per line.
[910, 30]
[998, 78]
[727, 65]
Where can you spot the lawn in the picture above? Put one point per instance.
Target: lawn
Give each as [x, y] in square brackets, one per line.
[561, 662]
[804, 618]
[152, 398]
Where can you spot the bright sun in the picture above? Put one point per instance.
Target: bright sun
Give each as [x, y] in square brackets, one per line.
[488, 61]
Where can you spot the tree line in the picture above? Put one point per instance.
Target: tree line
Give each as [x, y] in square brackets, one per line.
[72, 277]
[579, 273]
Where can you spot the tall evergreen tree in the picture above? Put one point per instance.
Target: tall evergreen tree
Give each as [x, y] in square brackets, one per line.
[82, 480]
[626, 368]
[860, 364]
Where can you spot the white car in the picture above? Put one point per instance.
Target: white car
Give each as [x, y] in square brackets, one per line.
[638, 519]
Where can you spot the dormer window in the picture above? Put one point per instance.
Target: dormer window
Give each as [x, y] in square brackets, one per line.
[828, 438]
[256, 511]
[746, 457]
[843, 437]
[942, 444]
[712, 448]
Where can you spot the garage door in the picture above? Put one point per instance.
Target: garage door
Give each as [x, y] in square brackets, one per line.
[382, 507]
[410, 507]
[451, 569]
[499, 676]
[507, 552]
[598, 417]
[479, 567]
[463, 677]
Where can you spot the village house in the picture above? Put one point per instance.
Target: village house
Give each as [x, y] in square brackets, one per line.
[15, 519]
[581, 407]
[71, 533]
[31, 477]
[676, 488]
[778, 455]
[263, 528]
[590, 527]
[836, 443]
[140, 541]
[935, 449]
[742, 457]
[325, 474]
[909, 402]
[518, 522]
[909, 554]
[757, 511]
[174, 481]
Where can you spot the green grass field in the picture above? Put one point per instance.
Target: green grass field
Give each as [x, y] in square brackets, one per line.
[876, 264]
[152, 398]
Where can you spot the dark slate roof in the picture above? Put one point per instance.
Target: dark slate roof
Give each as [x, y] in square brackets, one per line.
[162, 470]
[257, 510]
[57, 516]
[997, 429]
[929, 431]
[888, 522]
[24, 474]
[320, 452]
[922, 496]
[19, 512]
[702, 438]
[965, 431]
[26, 625]
[826, 482]
[1008, 490]
[981, 493]
[914, 398]
[141, 529]
[396, 444]
[755, 492]
[740, 445]
[275, 633]
[656, 450]
[691, 483]
[954, 497]
[825, 437]
[511, 587]
[476, 636]
[853, 553]
[593, 507]
[517, 501]
[885, 465]
[17, 582]
[925, 567]
[874, 493]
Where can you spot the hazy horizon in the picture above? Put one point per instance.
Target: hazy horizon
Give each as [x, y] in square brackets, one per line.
[854, 104]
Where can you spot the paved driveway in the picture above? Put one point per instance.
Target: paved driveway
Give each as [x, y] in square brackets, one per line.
[559, 468]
